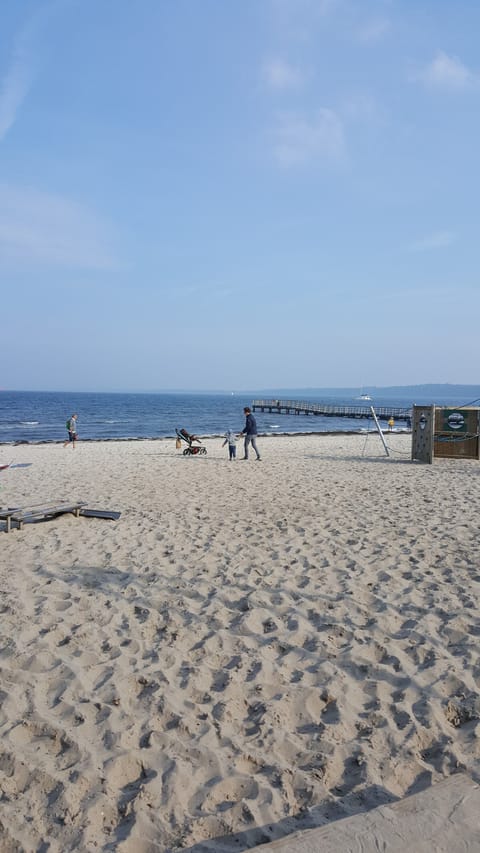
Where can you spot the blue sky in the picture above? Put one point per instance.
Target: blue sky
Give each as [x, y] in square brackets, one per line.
[220, 195]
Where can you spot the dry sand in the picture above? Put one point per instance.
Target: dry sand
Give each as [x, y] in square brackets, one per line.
[252, 649]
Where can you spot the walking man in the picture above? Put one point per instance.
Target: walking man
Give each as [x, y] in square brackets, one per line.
[72, 431]
[250, 433]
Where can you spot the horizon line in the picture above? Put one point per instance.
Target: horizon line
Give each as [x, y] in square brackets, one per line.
[240, 392]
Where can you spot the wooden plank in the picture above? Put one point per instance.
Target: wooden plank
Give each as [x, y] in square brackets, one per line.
[28, 513]
[29, 507]
[6, 515]
[20, 515]
[100, 513]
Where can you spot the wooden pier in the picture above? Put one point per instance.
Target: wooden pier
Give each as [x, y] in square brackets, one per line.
[295, 407]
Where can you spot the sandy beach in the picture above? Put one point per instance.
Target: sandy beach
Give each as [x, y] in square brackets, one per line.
[253, 648]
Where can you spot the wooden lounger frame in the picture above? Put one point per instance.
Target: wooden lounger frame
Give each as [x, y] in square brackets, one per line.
[19, 515]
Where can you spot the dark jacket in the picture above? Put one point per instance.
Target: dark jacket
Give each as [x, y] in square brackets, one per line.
[250, 426]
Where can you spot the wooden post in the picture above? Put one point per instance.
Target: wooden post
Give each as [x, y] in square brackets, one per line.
[423, 431]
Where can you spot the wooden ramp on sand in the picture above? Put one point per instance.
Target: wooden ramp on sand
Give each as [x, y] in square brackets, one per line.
[18, 516]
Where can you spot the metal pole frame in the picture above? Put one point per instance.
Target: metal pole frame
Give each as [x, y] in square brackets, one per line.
[379, 430]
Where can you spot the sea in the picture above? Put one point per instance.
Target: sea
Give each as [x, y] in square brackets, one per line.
[34, 417]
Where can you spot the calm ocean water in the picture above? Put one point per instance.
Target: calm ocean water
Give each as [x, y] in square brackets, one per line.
[27, 416]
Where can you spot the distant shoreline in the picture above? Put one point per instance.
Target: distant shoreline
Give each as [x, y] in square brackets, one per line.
[429, 388]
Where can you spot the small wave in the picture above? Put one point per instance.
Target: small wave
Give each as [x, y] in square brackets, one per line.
[274, 426]
[29, 423]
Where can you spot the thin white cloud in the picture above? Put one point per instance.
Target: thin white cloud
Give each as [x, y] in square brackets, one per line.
[373, 30]
[448, 72]
[437, 240]
[49, 230]
[17, 76]
[15, 84]
[300, 140]
[280, 75]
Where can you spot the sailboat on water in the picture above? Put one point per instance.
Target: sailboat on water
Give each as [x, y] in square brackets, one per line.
[363, 396]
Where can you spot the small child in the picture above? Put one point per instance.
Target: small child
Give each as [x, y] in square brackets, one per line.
[231, 440]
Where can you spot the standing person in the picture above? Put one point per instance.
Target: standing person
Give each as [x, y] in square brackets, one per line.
[250, 433]
[391, 424]
[231, 440]
[72, 431]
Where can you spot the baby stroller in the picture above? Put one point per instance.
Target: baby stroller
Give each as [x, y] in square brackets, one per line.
[190, 450]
